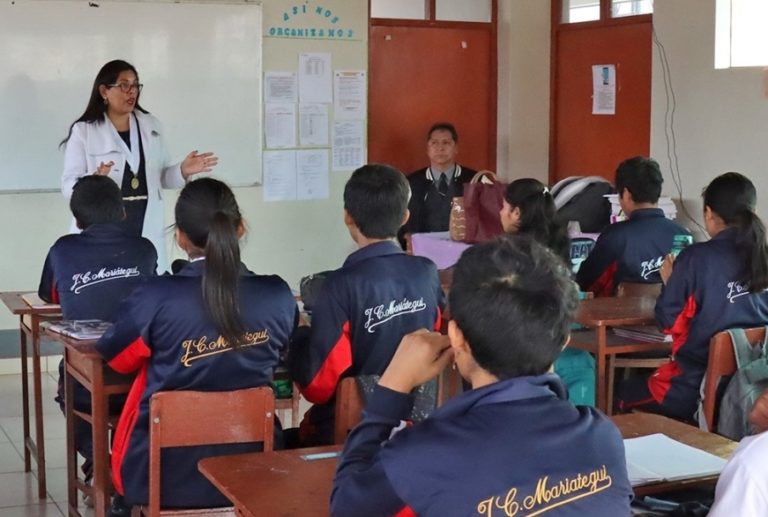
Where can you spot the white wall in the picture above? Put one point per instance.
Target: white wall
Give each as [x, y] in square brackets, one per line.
[721, 120]
[523, 103]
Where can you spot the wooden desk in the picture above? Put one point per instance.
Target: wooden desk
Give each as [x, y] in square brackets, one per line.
[643, 424]
[83, 363]
[29, 333]
[601, 313]
[265, 484]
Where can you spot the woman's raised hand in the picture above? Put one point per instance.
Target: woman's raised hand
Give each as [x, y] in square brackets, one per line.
[195, 163]
[104, 168]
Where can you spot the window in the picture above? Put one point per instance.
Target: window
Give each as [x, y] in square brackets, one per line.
[575, 11]
[402, 9]
[621, 8]
[741, 38]
[463, 10]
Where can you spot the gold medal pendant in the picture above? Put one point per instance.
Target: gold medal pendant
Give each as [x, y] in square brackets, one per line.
[135, 183]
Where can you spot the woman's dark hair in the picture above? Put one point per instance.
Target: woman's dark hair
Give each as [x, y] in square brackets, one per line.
[207, 213]
[733, 197]
[94, 111]
[538, 215]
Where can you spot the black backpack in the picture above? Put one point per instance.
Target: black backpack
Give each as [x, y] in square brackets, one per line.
[581, 199]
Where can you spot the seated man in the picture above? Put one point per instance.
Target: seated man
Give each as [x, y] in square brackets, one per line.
[743, 485]
[366, 307]
[90, 273]
[513, 444]
[632, 250]
[433, 187]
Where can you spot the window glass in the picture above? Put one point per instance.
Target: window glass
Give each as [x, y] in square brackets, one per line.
[463, 10]
[620, 8]
[403, 9]
[740, 35]
[575, 11]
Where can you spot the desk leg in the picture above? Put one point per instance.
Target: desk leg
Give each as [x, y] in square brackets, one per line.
[602, 392]
[69, 397]
[25, 393]
[39, 433]
[101, 481]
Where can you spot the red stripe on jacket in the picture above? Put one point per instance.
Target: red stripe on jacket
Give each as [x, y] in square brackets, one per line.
[604, 285]
[131, 358]
[323, 385]
[661, 380]
[125, 427]
[439, 321]
[406, 512]
[54, 294]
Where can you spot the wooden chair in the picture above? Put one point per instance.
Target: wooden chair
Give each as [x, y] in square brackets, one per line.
[350, 403]
[240, 416]
[722, 363]
[284, 406]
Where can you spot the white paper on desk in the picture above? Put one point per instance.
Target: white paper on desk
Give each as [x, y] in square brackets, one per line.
[603, 89]
[349, 94]
[279, 175]
[313, 124]
[658, 457]
[348, 144]
[312, 173]
[315, 79]
[280, 125]
[280, 87]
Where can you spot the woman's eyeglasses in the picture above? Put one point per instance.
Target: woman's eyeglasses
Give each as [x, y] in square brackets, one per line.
[127, 87]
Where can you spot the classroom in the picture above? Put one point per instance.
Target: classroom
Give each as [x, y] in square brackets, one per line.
[531, 112]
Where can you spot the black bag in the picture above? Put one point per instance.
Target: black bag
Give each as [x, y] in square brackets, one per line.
[582, 199]
[309, 288]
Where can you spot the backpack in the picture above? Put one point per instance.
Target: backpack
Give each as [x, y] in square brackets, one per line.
[745, 386]
[582, 199]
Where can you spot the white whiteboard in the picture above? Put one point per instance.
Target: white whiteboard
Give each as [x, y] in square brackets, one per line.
[200, 65]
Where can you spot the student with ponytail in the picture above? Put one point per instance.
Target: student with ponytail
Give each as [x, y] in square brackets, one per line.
[165, 332]
[714, 286]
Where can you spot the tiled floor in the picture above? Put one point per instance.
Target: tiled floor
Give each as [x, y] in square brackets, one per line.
[18, 489]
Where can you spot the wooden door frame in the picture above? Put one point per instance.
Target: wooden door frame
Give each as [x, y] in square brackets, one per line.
[431, 22]
[606, 20]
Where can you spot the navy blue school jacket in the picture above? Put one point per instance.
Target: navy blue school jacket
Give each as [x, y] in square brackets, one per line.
[362, 312]
[629, 251]
[164, 334]
[90, 273]
[702, 297]
[515, 447]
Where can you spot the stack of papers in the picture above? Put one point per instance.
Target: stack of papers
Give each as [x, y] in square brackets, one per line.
[643, 333]
[80, 329]
[656, 458]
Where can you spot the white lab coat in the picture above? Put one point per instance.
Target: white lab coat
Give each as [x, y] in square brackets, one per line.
[92, 143]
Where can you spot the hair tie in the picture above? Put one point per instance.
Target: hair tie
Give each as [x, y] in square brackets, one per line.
[545, 191]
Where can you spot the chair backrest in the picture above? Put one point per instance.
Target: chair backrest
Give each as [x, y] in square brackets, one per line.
[721, 363]
[240, 416]
[639, 289]
[350, 401]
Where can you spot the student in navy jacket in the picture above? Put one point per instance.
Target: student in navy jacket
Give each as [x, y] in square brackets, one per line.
[632, 250]
[366, 307]
[512, 445]
[212, 327]
[714, 286]
[90, 273]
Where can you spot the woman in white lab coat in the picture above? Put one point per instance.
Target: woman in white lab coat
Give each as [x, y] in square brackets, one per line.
[116, 137]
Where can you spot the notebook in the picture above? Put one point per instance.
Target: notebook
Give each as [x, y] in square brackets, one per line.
[657, 457]
[643, 333]
[34, 301]
[80, 329]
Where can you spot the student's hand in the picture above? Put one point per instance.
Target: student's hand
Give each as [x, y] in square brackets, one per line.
[104, 168]
[759, 414]
[421, 356]
[195, 163]
[666, 268]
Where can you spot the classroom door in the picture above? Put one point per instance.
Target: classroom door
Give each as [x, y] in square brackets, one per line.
[587, 144]
[423, 75]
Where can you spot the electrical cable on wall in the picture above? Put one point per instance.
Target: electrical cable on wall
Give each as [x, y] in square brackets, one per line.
[669, 127]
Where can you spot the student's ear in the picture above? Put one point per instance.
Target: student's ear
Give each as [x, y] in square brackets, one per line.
[182, 240]
[240, 229]
[80, 226]
[348, 219]
[457, 339]
[406, 217]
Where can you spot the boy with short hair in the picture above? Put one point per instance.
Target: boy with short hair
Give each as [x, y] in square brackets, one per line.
[632, 250]
[366, 307]
[513, 444]
[90, 273]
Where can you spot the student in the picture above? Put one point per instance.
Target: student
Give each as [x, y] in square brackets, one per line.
[528, 209]
[366, 307]
[166, 329]
[714, 286]
[434, 187]
[742, 488]
[90, 273]
[632, 250]
[512, 444]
